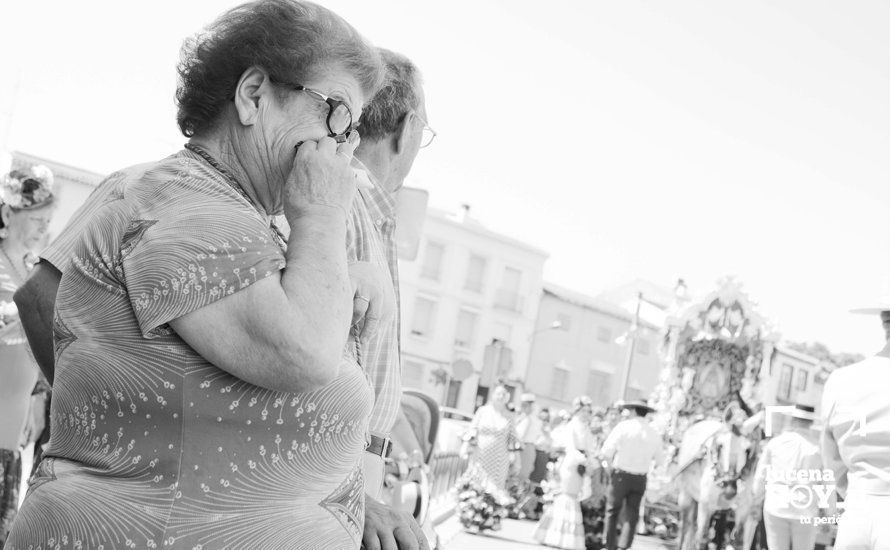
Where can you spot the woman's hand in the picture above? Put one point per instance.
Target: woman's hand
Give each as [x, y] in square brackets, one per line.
[321, 178]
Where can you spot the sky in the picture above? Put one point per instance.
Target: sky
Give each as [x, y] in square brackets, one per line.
[630, 139]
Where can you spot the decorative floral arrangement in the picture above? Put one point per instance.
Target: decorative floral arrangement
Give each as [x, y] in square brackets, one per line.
[22, 190]
[480, 509]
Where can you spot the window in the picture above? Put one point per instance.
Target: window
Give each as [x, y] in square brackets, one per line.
[475, 274]
[643, 347]
[802, 376]
[424, 315]
[508, 294]
[412, 374]
[565, 322]
[603, 334]
[559, 383]
[598, 387]
[466, 327]
[785, 382]
[432, 261]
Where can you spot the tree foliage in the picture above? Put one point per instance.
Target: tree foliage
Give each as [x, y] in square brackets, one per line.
[821, 352]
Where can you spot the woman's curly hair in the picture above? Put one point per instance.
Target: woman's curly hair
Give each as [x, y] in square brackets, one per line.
[292, 40]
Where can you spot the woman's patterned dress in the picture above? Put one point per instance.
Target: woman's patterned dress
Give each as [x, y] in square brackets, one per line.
[154, 447]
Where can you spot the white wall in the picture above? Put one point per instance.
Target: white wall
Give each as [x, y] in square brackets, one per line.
[587, 349]
[462, 239]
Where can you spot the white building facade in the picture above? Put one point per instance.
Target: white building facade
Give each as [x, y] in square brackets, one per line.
[581, 347]
[467, 287]
[792, 378]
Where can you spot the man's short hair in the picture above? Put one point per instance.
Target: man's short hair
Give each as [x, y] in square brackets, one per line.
[383, 114]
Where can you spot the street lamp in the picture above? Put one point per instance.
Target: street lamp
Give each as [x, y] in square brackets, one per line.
[555, 325]
[632, 335]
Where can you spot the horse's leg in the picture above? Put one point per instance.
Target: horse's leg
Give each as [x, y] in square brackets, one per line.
[688, 507]
[702, 523]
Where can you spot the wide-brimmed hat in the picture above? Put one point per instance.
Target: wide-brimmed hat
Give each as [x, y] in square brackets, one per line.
[880, 305]
[635, 404]
[805, 412]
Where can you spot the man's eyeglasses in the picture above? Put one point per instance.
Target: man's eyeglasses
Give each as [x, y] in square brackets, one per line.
[428, 133]
[339, 119]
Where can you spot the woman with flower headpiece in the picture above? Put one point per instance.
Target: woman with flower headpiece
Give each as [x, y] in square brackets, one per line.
[562, 525]
[26, 208]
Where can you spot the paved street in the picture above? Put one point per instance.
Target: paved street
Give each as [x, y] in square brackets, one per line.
[514, 535]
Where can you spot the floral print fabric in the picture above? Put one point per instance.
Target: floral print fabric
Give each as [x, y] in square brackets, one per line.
[152, 446]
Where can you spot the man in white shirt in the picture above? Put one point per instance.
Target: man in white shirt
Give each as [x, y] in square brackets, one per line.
[631, 448]
[856, 443]
[528, 429]
[788, 462]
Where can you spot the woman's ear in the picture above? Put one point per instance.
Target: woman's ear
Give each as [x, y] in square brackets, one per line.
[5, 214]
[248, 92]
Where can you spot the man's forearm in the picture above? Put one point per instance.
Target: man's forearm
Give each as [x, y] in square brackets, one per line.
[36, 301]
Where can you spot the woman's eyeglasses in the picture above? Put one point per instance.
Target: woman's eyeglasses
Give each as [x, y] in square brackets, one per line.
[339, 119]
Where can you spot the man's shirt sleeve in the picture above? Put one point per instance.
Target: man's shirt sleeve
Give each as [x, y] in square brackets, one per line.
[610, 447]
[831, 455]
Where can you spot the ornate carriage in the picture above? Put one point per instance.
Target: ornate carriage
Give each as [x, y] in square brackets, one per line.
[714, 351]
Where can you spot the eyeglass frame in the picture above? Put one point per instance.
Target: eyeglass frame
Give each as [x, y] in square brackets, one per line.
[426, 125]
[333, 103]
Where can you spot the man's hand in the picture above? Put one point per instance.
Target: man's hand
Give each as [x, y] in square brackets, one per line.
[374, 301]
[388, 529]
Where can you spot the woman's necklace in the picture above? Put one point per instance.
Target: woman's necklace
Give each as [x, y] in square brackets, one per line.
[21, 274]
[230, 179]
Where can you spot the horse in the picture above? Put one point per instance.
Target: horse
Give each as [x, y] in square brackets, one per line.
[716, 470]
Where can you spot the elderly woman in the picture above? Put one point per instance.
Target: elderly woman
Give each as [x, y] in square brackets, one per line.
[207, 390]
[26, 208]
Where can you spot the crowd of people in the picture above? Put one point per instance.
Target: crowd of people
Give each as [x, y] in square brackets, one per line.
[582, 474]
[520, 460]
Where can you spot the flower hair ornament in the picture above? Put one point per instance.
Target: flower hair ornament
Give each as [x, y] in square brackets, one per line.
[23, 190]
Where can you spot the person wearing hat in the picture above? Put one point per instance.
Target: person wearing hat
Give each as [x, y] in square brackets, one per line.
[528, 430]
[856, 442]
[788, 519]
[631, 448]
